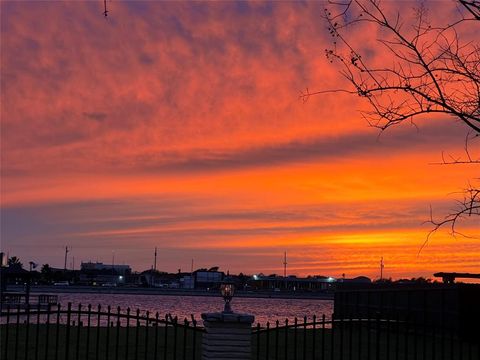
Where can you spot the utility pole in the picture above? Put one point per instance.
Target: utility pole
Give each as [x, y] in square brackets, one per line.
[66, 254]
[105, 12]
[155, 261]
[191, 268]
[381, 268]
[285, 265]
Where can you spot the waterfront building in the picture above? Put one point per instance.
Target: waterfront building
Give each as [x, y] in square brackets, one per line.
[96, 273]
[292, 283]
[98, 266]
[208, 279]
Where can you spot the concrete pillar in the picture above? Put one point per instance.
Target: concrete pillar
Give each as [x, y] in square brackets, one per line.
[228, 336]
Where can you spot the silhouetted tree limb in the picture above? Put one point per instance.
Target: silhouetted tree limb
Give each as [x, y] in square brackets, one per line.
[428, 69]
[467, 207]
[467, 158]
[473, 7]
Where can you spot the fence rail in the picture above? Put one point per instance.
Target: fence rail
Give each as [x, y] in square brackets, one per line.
[86, 332]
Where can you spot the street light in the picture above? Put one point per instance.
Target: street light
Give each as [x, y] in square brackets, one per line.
[227, 289]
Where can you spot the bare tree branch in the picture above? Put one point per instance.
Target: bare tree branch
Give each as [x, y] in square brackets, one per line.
[429, 70]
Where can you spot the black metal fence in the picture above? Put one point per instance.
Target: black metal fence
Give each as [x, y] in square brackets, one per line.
[86, 332]
[361, 339]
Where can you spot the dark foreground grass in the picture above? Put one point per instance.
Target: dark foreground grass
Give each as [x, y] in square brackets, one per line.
[358, 343]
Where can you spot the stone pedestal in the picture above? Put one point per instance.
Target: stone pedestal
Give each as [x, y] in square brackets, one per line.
[227, 336]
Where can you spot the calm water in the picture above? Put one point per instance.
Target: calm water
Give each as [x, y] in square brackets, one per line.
[182, 306]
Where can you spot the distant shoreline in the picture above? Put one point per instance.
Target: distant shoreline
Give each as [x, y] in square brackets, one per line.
[169, 292]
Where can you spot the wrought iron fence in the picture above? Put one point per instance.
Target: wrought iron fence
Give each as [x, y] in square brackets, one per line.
[361, 339]
[86, 332]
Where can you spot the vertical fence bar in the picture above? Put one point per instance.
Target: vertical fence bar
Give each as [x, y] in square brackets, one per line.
[194, 322]
[47, 333]
[368, 336]
[323, 337]
[415, 338]
[295, 330]
[424, 341]
[79, 324]
[17, 330]
[107, 330]
[87, 341]
[451, 344]
[97, 344]
[267, 341]
[460, 349]
[350, 338]
[147, 323]
[175, 336]
[7, 328]
[397, 337]
[434, 342]
[27, 329]
[155, 346]
[107, 335]
[286, 338]
[258, 341]
[276, 339]
[360, 337]
[424, 330]
[377, 337]
[442, 324]
[136, 333]
[388, 339]
[469, 350]
[146, 334]
[332, 341]
[57, 332]
[37, 332]
[127, 329]
[442, 337]
[313, 336]
[341, 337]
[165, 342]
[117, 334]
[470, 346]
[407, 336]
[304, 338]
[185, 326]
[67, 331]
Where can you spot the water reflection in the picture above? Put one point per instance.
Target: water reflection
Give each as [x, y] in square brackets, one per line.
[184, 306]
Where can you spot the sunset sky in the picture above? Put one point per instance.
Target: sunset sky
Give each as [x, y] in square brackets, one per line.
[179, 125]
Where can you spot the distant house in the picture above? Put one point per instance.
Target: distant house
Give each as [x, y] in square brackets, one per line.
[293, 283]
[154, 278]
[98, 266]
[95, 273]
[207, 279]
[187, 282]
